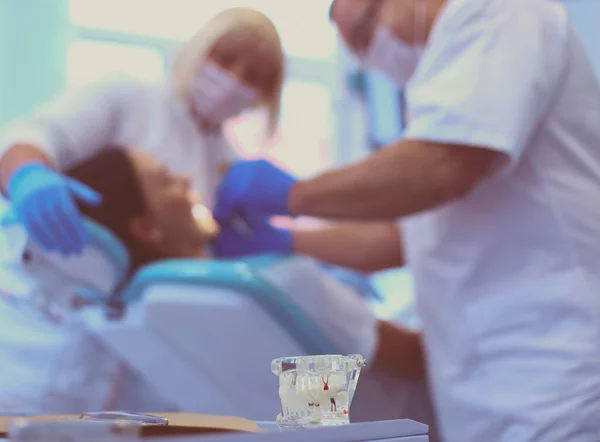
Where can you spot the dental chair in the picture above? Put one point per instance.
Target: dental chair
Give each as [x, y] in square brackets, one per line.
[201, 334]
[49, 363]
[55, 279]
[217, 325]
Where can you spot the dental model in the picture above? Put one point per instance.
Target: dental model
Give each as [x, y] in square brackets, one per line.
[318, 390]
[316, 396]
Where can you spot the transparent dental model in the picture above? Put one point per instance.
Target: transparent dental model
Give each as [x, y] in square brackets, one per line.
[316, 390]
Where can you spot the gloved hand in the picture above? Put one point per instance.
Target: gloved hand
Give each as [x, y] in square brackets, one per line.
[262, 237]
[252, 187]
[44, 202]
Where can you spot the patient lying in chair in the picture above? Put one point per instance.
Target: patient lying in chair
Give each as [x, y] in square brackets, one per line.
[150, 210]
[146, 206]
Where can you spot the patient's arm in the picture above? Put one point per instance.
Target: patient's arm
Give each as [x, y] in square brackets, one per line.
[400, 350]
[366, 246]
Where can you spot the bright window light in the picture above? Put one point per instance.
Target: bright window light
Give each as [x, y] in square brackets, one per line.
[304, 25]
[302, 141]
[90, 60]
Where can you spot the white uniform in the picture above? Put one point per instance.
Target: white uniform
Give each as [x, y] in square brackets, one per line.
[508, 278]
[122, 111]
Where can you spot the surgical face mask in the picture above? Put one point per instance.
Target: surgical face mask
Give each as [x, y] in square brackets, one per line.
[216, 95]
[393, 57]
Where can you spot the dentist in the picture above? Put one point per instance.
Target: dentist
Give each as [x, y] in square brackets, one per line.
[235, 62]
[496, 183]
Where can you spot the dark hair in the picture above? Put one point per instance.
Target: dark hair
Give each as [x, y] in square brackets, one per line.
[331, 11]
[111, 173]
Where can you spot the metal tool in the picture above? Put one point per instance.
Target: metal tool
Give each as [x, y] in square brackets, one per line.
[140, 418]
[240, 225]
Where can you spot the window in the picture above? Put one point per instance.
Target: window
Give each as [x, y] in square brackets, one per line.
[396, 287]
[304, 25]
[385, 107]
[301, 143]
[90, 60]
[583, 15]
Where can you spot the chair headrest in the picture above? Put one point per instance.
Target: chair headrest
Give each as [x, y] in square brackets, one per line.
[104, 250]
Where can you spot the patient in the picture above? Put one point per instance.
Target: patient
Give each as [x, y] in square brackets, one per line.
[144, 204]
[150, 210]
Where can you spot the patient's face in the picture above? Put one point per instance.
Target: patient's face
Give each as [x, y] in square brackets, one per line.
[169, 225]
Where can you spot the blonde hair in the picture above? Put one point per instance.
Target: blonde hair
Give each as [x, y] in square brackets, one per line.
[197, 49]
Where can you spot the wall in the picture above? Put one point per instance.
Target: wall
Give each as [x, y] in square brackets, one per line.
[584, 16]
[33, 44]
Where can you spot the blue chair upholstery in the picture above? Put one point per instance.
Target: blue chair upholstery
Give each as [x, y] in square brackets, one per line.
[359, 282]
[242, 276]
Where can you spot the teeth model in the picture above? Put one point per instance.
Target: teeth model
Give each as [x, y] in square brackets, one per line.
[316, 390]
[317, 394]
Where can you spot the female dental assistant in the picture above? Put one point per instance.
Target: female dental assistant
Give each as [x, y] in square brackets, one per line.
[234, 62]
[496, 182]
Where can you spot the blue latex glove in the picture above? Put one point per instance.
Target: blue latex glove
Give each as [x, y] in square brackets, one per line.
[252, 187]
[261, 238]
[44, 202]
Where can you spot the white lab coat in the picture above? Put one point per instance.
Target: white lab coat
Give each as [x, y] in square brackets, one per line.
[508, 277]
[122, 111]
